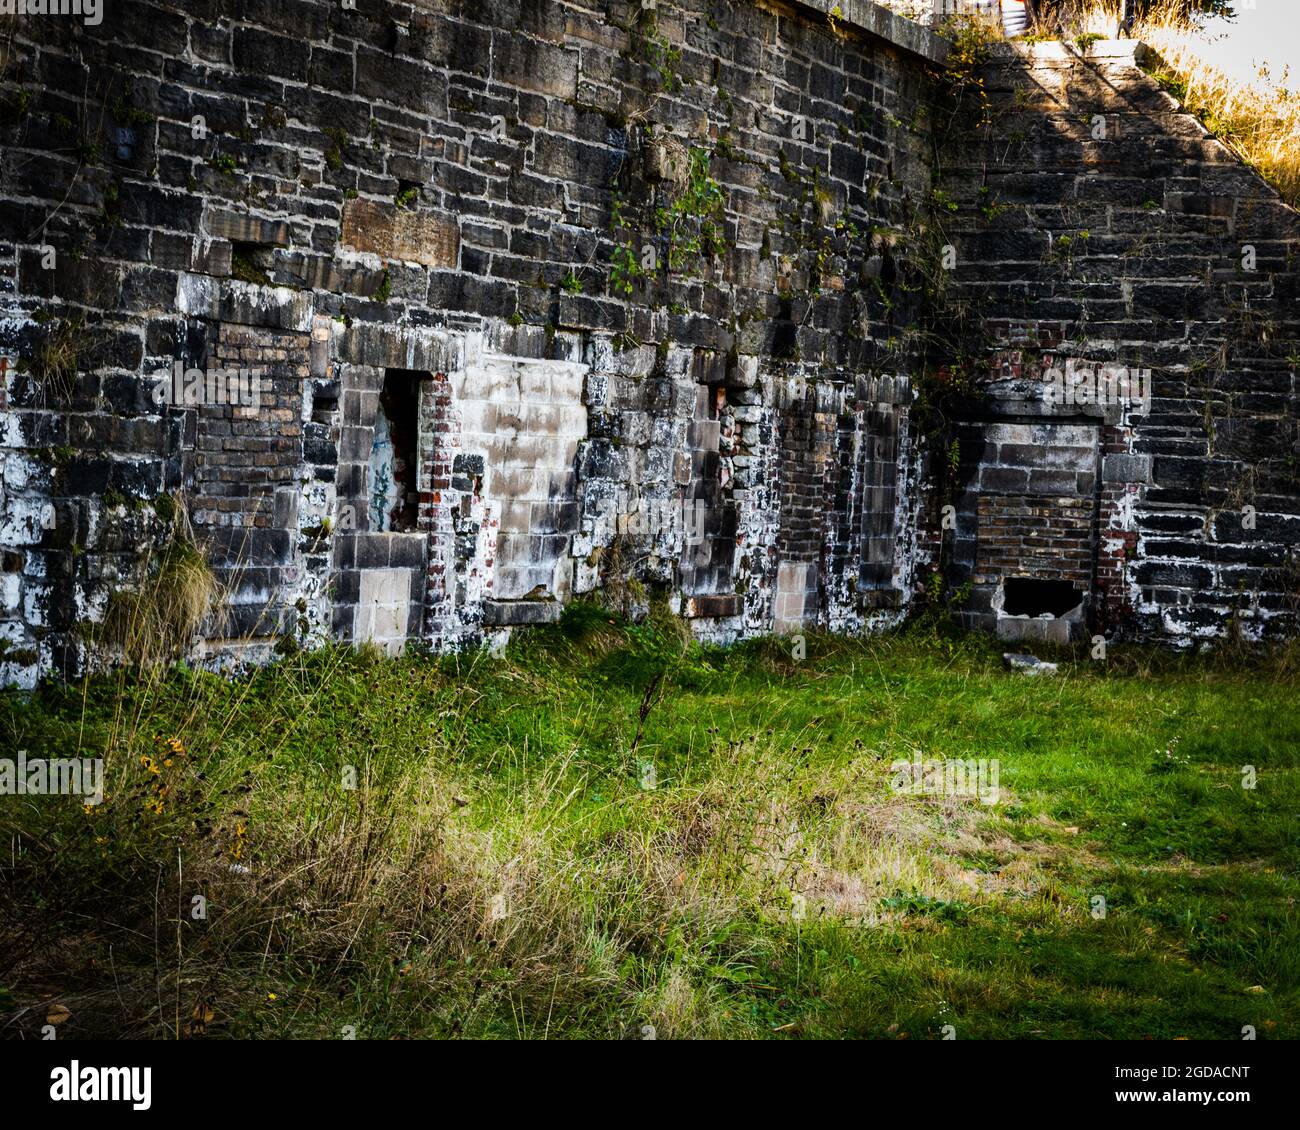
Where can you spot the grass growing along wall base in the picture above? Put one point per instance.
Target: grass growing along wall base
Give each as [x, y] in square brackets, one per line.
[507, 863]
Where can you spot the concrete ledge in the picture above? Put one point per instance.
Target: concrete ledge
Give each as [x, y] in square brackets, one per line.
[713, 607]
[905, 34]
[1057, 630]
[516, 613]
[1111, 52]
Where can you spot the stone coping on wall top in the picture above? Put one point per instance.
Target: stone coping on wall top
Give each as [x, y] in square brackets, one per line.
[1111, 51]
[920, 40]
[879, 21]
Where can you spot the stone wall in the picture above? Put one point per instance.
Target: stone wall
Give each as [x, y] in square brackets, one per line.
[640, 273]
[1099, 229]
[426, 319]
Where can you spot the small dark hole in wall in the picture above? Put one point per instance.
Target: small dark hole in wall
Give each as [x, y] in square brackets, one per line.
[12, 562]
[251, 262]
[324, 403]
[1030, 596]
[408, 194]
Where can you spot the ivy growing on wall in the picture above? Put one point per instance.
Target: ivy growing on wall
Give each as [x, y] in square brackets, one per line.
[682, 228]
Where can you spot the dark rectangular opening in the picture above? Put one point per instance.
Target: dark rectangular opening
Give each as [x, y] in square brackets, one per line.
[251, 262]
[394, 454]
[324, 401]
[1032, 596]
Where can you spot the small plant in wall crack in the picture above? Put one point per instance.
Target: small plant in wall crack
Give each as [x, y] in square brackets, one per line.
[625, 267]
[624, 270]
[656, 52]
[687, 218]
[990, 208]
[692, 224]
[57, 360]
[1065, 247]
[334, 154]
[972, 39]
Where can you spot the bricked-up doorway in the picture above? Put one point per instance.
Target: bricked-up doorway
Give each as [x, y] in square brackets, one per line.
[807, 439]
[879, 500]
[504, 442]
[1026, 526]
[707, 566]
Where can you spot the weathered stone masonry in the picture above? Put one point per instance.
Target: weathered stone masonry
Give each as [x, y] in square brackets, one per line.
[1100, 226]
[544, 294]
[423, 195]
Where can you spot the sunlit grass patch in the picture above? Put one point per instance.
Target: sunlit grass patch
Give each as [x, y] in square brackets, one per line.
[611, 832]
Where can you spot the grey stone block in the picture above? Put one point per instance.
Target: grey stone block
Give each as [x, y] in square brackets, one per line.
[518, 613]
[1126, 469]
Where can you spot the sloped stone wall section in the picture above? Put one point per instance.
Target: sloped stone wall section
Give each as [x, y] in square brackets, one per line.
[1099, 226]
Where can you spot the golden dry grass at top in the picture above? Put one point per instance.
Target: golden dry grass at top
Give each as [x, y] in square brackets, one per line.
[1259, 122]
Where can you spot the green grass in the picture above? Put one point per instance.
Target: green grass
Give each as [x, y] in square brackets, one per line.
[501, 869]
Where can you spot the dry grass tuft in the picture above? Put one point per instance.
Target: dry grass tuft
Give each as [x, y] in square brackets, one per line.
[55, 363]
[159, 621]
[1260, 122]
